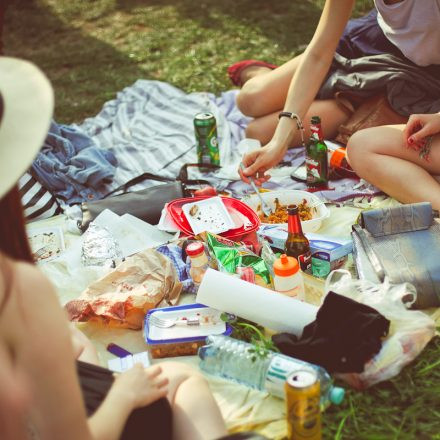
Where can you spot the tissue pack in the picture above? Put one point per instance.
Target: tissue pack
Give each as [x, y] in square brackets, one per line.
[328, 253]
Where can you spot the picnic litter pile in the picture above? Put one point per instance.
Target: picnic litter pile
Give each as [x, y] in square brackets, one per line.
[190, 260]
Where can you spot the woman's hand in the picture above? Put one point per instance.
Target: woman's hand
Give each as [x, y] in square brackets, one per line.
[257, 162]
[140, 386]
[420, 127]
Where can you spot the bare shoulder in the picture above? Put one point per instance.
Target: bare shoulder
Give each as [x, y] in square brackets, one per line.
[33, 285]
[29, 276]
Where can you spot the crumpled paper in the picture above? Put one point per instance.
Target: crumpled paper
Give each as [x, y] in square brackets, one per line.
[122, 297]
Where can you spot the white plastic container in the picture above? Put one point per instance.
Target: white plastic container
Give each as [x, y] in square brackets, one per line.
[288, 278]
[292, 197]
[208, 215]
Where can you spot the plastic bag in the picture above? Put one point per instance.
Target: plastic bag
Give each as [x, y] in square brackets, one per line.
[410, 330]
[231, 256]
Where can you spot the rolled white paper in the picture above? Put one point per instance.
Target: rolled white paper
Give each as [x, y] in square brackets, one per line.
[264, 306]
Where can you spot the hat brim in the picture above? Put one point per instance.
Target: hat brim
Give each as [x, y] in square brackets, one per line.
[28, 103]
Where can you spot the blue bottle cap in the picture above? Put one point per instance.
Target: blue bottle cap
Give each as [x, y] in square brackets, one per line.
[337, 395]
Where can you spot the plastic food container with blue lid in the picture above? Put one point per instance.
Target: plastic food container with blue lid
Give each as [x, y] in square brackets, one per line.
[194, 323]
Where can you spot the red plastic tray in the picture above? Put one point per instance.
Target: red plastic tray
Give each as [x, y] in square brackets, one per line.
[244, 216]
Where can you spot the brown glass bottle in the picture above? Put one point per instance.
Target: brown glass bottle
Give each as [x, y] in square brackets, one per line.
[297, 245]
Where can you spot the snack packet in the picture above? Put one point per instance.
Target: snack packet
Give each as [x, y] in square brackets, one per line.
[230, 255]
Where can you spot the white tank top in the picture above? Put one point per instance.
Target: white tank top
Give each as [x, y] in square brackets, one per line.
[414, 27]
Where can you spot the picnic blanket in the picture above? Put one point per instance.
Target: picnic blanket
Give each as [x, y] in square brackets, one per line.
[149, 128]
[242, 407]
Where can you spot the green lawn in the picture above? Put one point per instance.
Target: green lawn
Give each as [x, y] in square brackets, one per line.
[91, 49]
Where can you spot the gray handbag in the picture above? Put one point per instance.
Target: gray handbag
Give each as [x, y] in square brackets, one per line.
[401, 243]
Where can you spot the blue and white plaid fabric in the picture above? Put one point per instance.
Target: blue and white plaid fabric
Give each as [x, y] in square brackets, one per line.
[174, 253]
[149, 128]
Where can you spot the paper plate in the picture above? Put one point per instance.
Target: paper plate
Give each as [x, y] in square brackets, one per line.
[244, 218]
[208, 215]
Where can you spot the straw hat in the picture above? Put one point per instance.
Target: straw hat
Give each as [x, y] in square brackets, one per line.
[26, 106]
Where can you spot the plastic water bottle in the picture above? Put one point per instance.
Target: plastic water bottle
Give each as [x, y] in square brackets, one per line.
[236, 360]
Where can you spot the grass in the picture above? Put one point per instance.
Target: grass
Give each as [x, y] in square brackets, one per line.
[90, 49]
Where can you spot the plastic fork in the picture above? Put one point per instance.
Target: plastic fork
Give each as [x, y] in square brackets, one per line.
[40, 252]
[167, 322]
[267, 210]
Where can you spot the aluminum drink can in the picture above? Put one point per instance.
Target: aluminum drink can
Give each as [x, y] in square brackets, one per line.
[303, 395]
[205, 127]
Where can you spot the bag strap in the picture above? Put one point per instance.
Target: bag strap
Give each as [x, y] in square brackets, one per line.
[182, 177]
[368, 249]
[183, 173]
[139, 179]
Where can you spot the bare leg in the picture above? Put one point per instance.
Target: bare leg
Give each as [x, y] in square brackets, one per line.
[380, 156]
[196, 415]
[265, 92]
[331, 113]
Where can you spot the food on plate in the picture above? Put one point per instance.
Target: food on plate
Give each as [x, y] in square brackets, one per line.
[279, 215]
[194, 210]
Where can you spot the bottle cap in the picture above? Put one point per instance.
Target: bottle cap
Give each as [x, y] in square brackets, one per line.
[337, 395]
[285, 266]
[194, 249]
[292, 209]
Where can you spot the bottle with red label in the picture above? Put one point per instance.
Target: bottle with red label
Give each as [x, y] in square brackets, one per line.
[316, 156]
[297, 245]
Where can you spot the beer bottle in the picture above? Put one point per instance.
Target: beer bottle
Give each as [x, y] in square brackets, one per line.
[316, 156]
[297, 245]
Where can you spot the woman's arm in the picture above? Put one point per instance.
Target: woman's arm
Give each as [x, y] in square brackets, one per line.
[304, 85]
[83, 349]
[132, 389]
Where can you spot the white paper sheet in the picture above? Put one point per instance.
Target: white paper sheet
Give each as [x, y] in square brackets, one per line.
[132, 234]
[265, 307]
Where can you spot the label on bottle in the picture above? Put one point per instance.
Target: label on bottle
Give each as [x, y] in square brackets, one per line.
[313, 170]
[305, 261]
[276, 375]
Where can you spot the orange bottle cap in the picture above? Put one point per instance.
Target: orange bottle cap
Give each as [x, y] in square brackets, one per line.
[336, 158]
[285, 266]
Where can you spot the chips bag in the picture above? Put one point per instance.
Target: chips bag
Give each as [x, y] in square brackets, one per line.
[230, 255]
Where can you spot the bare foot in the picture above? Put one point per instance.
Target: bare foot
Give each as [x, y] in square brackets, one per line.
[252, 71]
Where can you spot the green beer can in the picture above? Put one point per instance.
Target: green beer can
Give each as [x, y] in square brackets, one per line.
[205, 127]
